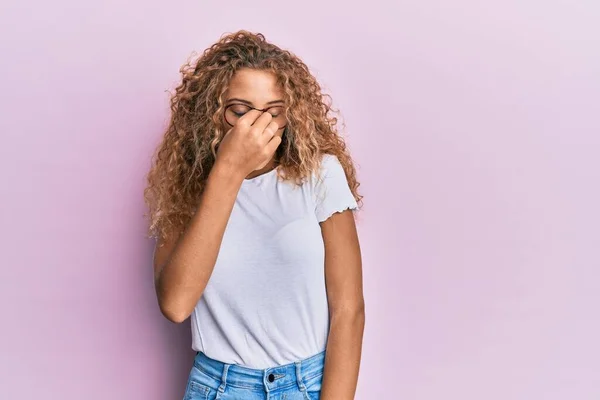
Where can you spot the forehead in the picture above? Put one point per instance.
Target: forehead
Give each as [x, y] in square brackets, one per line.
[256, 86]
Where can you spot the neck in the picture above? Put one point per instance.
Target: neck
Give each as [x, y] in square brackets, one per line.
[270, 165]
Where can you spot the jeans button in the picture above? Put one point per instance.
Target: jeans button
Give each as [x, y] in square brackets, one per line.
[271, 377]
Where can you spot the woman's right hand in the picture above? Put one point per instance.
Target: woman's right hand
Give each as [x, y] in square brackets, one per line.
[250, 144]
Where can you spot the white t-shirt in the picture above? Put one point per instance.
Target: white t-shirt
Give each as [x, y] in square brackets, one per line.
[265, 303]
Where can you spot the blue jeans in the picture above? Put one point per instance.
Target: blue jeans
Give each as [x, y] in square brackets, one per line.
[211, 379]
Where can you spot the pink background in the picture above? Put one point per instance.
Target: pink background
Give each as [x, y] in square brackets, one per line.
[476, 129]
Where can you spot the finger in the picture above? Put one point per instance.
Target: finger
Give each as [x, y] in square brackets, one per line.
[249, 118]
[273, 144]
[262, 121]
[228, 131]
[270, 131]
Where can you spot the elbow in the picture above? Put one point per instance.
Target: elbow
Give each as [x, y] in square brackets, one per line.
[174, 315]
[172, 312]
[359, 314]
[169, 306]
[352, 313]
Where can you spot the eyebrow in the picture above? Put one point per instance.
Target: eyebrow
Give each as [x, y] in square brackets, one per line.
[250, 103]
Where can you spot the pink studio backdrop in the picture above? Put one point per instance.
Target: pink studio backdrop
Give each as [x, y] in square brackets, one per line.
[475, 126]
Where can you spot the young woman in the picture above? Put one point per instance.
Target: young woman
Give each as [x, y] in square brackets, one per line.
[251, 197]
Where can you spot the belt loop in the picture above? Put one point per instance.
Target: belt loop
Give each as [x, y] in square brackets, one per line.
[265, 384]
[224, 378]
[299, 375]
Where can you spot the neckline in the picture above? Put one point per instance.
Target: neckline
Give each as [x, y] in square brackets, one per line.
[261, 176]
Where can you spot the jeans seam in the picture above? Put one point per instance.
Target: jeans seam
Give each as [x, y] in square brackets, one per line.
[314, 376]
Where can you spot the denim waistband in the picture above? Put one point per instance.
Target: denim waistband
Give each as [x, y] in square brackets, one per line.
[267, 379]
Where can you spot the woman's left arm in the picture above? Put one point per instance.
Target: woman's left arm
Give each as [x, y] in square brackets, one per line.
[343, 276]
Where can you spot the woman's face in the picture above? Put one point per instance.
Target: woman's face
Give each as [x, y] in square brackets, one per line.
[251, 88]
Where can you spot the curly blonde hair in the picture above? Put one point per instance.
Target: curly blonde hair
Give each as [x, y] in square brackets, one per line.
[184, 158]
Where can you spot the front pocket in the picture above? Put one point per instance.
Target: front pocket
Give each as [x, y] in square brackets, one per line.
[196, 391]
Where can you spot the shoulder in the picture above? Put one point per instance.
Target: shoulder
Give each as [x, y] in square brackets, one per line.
[329, 160]
[332, 191]
[330, 166]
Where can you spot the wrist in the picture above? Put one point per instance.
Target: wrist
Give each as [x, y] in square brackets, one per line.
[227, 172]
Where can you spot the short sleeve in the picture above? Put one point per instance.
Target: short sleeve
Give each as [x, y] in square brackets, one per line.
[332, 191]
